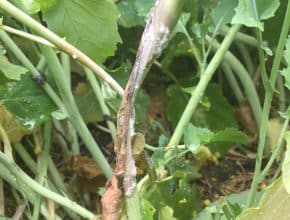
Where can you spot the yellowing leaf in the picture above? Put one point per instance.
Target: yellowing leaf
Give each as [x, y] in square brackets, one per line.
[13, 130]
[286, 164]
[275, 204]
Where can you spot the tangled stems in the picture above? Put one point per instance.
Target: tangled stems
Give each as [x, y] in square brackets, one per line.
[267, 105]
[201, 86]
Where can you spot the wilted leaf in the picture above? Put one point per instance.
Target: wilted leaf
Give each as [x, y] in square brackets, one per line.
[10, 125]
[273, 131]
[286, 164]
[138, 143]
[28, 102]
[87, 103]
[11, 71]
[89, 25]
[247, 14]
[275, 204]
[85, 167]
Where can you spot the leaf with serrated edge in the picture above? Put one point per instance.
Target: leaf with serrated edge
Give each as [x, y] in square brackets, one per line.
[11, 71]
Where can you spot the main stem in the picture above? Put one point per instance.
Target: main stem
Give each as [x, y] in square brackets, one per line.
[201, 86]
[267, 106]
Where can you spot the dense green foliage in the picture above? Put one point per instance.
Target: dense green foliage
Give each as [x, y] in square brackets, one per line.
[33, 95]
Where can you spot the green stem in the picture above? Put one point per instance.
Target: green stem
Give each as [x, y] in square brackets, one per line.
[267, 105]
[233, 82]
[245, 79]
[36, 187]
[65, 61]
[201, 86]
[72, 110]
[55, 176]
[105, 110]
[28, 160]
[26, 35]
[32, 70]
[242, 37]
[60, 43]
[246, 57]
[43, 164]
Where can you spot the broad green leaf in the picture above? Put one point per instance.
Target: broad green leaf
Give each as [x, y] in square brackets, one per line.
[147, 210]
[223, 13]
[46, 4]
[275, 204]
[11, 71]
[286, 73]
[90, 25]
[286, 164]
[28, 102]
[129, 17]
[230, 135]
[195, 136]
[29, 6]
[87, 103]
[251, 16]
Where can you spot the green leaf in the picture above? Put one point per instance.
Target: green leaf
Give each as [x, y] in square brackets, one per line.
[11, 71]
[90, 25]
[275, 204]
[166, 213]
[216, 115]
[28, 102]
[287, 51]
[29, 6]
[144, 7]
[248, 15]
[147, 210]
[286, 71]
[195, 136]
[122, 73]
[286, 164]
[129, 17]
[223, 13]
[230, 135]
[46, 4]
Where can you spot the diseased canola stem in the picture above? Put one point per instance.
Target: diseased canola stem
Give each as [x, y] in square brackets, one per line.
[161, 21]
